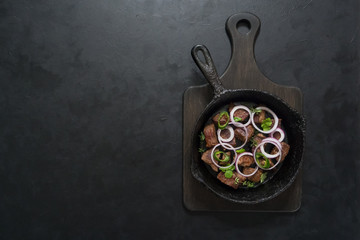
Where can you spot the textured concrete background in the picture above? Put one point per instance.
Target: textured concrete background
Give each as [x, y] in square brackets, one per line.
[91, 109]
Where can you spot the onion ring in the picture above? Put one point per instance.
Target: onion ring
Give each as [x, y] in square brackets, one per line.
[231, 130]
[237, 108]
[212, 155]
[236, 148]
[276, 119]
[274, 142]
[261, 144]
[237, 166]
[282, 134]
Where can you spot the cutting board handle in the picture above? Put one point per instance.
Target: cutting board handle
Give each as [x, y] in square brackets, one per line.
[242, 44]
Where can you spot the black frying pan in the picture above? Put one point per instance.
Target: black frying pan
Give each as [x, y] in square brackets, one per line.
[292, 121]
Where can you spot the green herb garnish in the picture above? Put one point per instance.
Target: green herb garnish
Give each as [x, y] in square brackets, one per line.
[237, 119]
[202, 137]
[267, 162]
[263, 177]
[237, 180]
[266, 124]
[255, 110]
[217, 156]
[228, 174]
[227, 120]
[224, 169]
[202, 150]
[253, 142]
[241, 150]
[249, 184]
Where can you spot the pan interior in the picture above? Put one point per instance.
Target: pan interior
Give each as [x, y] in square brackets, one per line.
[292, 121]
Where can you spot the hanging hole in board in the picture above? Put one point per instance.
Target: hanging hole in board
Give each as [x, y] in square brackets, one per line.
[243, 26]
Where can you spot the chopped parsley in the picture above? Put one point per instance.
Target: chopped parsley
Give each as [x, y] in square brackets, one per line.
[241, 150]
[237, 119]
[249, 184]
[263, 177]
[202, 137]
[255, 110]
[266, 124]
[201, 150]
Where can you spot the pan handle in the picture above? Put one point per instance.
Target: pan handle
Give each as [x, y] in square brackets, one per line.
[208, 68]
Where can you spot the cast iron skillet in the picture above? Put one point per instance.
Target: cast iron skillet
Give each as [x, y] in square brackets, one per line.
[292, 121]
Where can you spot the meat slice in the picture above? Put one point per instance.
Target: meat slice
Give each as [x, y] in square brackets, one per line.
[254, 178]
[210, 135]
[246, 161]
[284, 150]
[256, 140]
[240, 113]
[259, 117]
[206, 157]
[232, 182]
[223, 119]
[240, 132]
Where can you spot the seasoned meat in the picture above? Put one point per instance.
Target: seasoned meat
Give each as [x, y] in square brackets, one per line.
[256, 140]
[240, 133]
[206, 157]
[231, 181]
[210, 135]
[223, 119]
[254, 178]
[246, 161]
[226, 134]
[284, 150]
[259, 117]
[240, 113]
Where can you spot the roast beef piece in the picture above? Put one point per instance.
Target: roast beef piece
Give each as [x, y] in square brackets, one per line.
[210, 135]
[256, 140]
[240, 132]
[206, 157]
[284, 151]
[231, 181]
[259, 117]
[240, 113]
[254, 178]
[223, 119]
[246, 161]
[226, 134]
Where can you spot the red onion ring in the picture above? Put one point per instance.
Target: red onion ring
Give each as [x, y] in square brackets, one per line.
[236, 148]
[282, 134]
[231, 130]
[212, 155]
[237, 166]
[274, 142]
[237, 108]
[276, 119]
[263, 142]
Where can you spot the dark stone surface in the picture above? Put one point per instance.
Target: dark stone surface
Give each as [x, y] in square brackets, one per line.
[91, 100]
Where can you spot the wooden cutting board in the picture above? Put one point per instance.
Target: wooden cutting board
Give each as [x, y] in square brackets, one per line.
[241, 73]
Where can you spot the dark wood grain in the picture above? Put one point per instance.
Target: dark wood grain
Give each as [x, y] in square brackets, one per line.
[241, 73]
